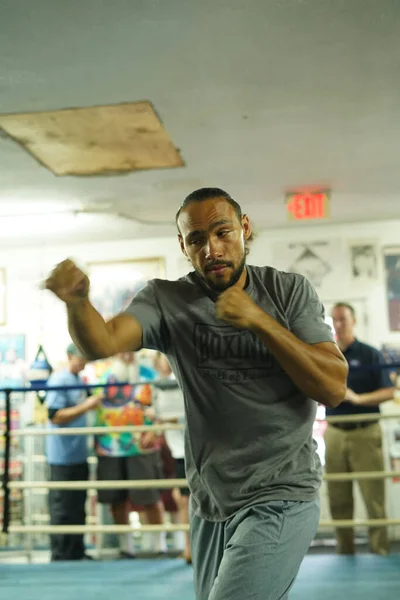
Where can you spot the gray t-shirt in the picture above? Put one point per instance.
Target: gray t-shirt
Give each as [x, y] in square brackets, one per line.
[249, 428]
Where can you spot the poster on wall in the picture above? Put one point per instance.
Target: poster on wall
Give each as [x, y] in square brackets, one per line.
[113, 284]
[320, 261]
[391, 354]
[363, 261]
[13, 368]
[392, 277]
[3, 301]
[12, 348]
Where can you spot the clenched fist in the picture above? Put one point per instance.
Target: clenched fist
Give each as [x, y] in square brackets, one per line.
[237, 308]
[68, 282]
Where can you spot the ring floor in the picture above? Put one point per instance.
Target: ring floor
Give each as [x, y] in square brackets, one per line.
[325, 577]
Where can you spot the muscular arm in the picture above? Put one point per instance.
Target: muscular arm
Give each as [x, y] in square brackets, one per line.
[95, 337]
[98, 339]
[318, 370]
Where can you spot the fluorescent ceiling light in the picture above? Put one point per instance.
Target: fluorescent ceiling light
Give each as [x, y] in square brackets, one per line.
[34, 226]
[13, 209]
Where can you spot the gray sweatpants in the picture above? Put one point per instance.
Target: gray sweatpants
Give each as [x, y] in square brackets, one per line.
[256, 554]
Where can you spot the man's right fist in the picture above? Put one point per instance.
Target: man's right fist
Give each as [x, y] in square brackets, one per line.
[68, 282]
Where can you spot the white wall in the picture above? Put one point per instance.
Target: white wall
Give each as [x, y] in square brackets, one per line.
[372, 294]
[42, 318]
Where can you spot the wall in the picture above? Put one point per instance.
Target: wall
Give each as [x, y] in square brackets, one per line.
[42, 317]
[341, 286]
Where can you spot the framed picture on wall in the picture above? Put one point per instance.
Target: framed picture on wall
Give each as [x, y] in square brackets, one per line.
[321, 261]
[3, 296]
[392, 276]
[363, 261]
[12, 347]
[113, 284]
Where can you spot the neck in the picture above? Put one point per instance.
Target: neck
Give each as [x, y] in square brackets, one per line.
[345, 342]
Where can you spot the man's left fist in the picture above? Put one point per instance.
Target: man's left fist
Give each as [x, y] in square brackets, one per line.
[237, 308]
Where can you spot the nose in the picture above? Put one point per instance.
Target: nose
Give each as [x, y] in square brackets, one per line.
[213, 248]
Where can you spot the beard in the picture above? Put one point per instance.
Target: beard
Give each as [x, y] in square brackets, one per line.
[221, 286]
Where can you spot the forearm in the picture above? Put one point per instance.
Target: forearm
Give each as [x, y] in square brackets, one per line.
[319, 374]
[377, 397]
[89, 330]
[66, 415]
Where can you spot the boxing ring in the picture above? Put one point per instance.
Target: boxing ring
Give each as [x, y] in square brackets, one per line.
[321, 576]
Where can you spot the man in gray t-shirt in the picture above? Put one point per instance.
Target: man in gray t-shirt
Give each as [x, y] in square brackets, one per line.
[253, 356]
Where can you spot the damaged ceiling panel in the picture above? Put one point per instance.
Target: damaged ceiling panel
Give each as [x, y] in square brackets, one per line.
[95, 140]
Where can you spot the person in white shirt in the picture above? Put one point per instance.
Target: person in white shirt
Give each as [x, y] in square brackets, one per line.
[169, 408]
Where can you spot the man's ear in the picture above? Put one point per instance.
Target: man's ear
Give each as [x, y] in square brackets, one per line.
[246, 226]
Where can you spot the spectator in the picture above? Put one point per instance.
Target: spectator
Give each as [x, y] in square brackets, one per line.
[128, 456]
[67, 455]
[357, 445]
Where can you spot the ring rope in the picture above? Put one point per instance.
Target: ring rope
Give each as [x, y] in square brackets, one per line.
[175, 426]
[73, 529]
[170, 483]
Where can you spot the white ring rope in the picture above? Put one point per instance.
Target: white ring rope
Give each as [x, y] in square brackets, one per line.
[360, 418]
[122, 484]
[95, 430]
[49, 529]
[170, 483]
[167, 426]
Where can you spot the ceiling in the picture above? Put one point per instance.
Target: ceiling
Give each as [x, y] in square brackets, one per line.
[259, 96]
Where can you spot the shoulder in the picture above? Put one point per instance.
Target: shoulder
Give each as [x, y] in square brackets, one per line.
[271, 277]
[58, 398]
[185, 282]
[59, 377]
[178, 288]
[369, 351]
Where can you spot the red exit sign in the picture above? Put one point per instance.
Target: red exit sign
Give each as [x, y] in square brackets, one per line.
[308, 206]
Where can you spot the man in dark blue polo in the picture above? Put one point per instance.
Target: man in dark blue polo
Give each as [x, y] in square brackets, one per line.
[357, 446]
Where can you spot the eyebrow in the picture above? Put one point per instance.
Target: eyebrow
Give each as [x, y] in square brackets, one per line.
[197, 232]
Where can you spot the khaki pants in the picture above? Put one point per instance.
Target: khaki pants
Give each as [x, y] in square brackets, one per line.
[346, 452]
